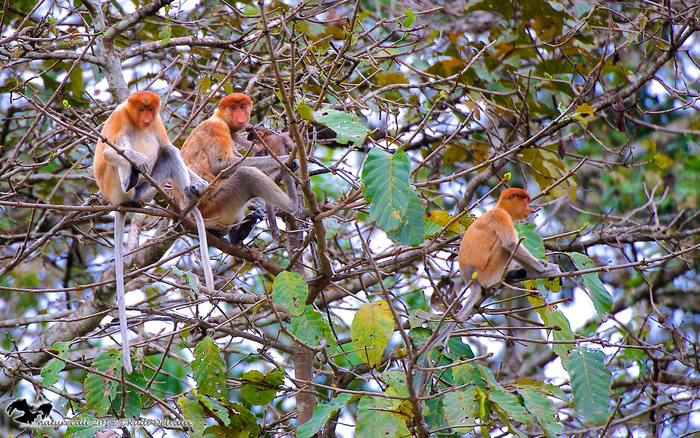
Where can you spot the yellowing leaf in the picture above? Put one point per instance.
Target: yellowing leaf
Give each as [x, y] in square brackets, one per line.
[585, 109]
[371, 329]
[442, 218]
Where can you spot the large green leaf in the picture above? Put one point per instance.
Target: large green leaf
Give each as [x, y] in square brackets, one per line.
[311, 327]
[105, 395]
[459, 404]
[373, 420]
[347, 126]
[194, 412]
[510, 404]
[260, 389]
[532, 241]
[289, 289]
[386, 185]
[321, 415]
[602, 300]
[208, 369]
[553, 317]
[590, 384]
[412, 230]
[371, 329]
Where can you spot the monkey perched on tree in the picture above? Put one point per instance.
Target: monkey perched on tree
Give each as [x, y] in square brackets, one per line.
[137, 129]
[278, 144]
[487, 247]
[211, 149]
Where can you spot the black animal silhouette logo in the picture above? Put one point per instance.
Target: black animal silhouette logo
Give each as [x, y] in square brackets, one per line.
[31, 412]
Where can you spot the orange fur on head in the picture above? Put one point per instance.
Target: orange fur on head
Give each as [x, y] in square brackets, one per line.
[235, 109]
[516, 203]
[143, 108]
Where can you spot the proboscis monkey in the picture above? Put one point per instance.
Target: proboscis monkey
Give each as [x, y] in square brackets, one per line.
[267, 142]
[487, 246]
[211, 148]
[278, 144]
[137, 129]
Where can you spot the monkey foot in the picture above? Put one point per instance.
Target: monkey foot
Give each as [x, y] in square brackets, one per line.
[196, 188]
[239, 232]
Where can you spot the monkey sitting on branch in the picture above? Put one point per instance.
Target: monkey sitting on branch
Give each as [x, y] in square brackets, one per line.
[210, 151]
[137, 144]
[489, 248]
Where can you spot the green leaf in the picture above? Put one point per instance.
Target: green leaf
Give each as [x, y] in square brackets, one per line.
[556, 318]
[590, 384]
[371, 329]
[226, 84]
[208, 369]
[83, 426]
[260, 389]
[459, 404]
[541, 407]
[467, 373]
[332, 226]
[105, 396]
[459, 349]
[164, 34]
[385, 177]
[194, 412]
[374, 421]
[241, 417]
[290, 290]
[99, 392]
[304, 111]
[76, 82]
[214, 409]
[410, 18]
[510, 404]
[602, 300]
[553, 317]
[310, 327]
[322, 413]
[395, 383]
[204, 83]
[347, 127]
[134, 398]
[50, 371]
[188, 276]
[533, 241]
[412, 230]
[218, 431]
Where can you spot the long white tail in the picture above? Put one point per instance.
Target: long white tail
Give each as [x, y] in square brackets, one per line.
[119, 221]
[204, 250]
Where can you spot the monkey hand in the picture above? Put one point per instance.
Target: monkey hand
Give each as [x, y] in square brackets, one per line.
[139, 160]
[196, 188]
[294, 166]
[549, 269]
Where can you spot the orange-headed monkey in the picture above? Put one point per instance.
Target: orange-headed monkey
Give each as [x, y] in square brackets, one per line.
[487, 246]
[137, 129]
[211, 148]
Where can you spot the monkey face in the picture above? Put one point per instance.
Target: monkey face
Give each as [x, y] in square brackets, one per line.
[147, 114]
[236, 108]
